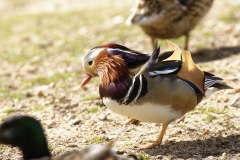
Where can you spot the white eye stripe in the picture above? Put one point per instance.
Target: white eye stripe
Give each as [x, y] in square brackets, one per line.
[117, 49]
[94, 53]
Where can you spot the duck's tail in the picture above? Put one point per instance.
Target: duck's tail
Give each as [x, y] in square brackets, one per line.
[213, 84]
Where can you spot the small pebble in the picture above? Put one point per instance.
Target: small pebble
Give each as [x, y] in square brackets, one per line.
[40, 93]
[84, 141]
[120, 151]
[74, 104]
[159, 157]
[102, 117]
[112, 137]
[75, 121]
[51, 85]
[51, 124]
[29, 94]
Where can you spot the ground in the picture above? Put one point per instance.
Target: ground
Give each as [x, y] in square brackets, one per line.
[42, 42]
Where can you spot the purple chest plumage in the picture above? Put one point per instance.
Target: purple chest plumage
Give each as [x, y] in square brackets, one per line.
[115, 90]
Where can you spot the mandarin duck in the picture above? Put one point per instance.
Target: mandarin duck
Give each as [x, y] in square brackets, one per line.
[157, 88]
[27, 133]
[166, 19]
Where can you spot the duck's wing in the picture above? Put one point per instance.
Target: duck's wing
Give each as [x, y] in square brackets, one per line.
[179, 63]
[151, 61]
[165, 63]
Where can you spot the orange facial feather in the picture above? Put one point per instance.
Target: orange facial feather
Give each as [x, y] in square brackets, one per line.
[101, 55]
[111, 68]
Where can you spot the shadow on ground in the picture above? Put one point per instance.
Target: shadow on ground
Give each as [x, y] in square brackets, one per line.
[214, 146]
[204, 55]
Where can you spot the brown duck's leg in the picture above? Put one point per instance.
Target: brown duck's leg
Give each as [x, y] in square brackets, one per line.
[153, 42]
[159, 139]
[186, 41]
[133, 121]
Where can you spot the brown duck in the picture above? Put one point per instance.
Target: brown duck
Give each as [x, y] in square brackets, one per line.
[166, 19]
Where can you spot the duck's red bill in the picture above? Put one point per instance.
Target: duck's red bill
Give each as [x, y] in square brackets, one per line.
[86, 79]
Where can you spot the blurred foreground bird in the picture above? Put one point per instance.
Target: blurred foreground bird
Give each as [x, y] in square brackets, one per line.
[157, 88]
[27, 133]
[166, 19]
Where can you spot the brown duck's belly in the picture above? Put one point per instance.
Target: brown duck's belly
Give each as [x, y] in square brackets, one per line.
[163, 32]
[146, 112]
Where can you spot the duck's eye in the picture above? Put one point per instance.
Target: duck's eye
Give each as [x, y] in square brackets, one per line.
[90, 63]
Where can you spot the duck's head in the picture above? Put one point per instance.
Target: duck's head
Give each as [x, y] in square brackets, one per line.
[26, 133]
[110, 62]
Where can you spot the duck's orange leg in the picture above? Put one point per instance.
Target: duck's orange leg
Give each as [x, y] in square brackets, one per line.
[159, 139]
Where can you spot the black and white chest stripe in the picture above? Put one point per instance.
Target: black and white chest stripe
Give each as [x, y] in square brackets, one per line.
[137, 89]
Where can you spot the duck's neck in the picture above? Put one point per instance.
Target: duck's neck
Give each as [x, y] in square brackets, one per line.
[114, 76]
[34, 150]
